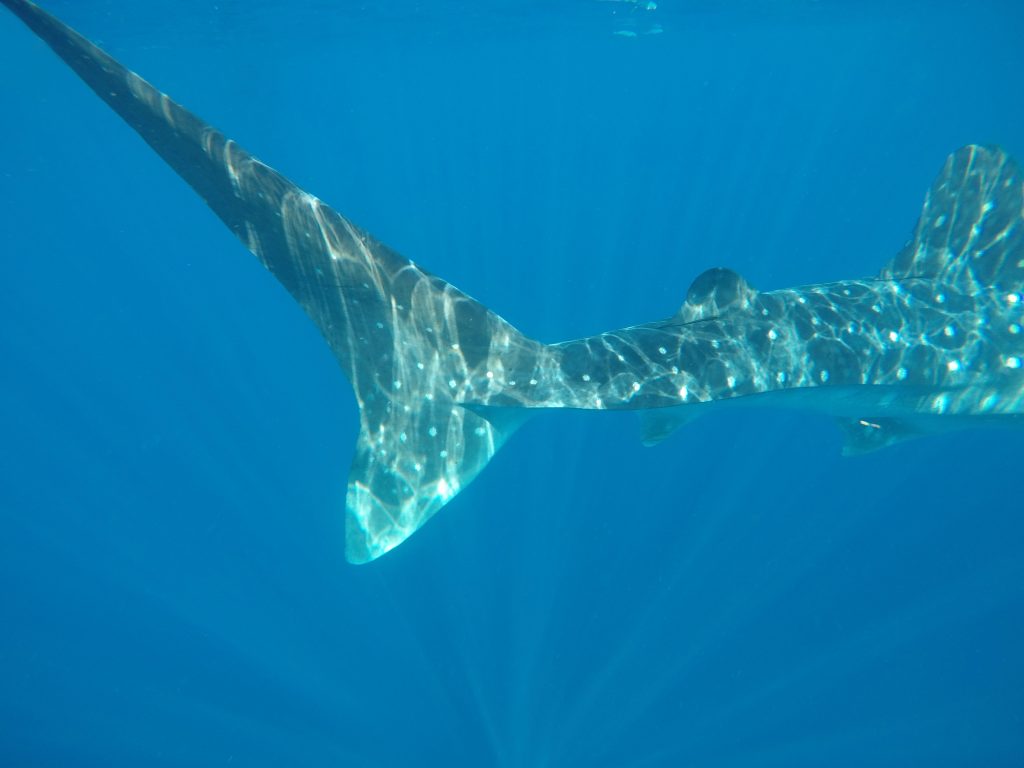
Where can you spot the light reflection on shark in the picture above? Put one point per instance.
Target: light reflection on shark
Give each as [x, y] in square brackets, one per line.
[934, 342]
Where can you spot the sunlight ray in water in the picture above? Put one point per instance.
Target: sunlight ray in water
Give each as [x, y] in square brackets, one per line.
[174, 495]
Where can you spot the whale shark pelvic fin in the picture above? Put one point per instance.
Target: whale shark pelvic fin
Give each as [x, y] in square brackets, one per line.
[933, 343]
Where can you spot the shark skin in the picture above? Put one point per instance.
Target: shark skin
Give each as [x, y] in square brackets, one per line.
[933, 342]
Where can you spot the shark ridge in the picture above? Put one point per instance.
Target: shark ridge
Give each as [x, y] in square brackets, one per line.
[932, 343]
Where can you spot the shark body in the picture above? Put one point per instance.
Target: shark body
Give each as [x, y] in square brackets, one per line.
[933, 342]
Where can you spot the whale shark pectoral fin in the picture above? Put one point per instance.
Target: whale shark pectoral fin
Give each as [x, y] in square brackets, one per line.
[871, 434]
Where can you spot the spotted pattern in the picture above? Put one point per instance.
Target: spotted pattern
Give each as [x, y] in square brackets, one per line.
[944, 317]
[441, 380]
[939, 328]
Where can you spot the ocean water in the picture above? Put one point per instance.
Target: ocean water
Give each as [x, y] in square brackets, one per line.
[175, 437]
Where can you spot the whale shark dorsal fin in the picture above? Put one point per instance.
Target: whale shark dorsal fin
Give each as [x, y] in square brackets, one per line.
[969, 231]
[437, 375]
[713, 293]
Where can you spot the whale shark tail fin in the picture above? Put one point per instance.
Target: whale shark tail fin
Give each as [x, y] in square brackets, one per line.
[416, 350]
[971, 230]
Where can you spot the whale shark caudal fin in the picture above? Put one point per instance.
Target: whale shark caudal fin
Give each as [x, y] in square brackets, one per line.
[412, 346]
[441, 381]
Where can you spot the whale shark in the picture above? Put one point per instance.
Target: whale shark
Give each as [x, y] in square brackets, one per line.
[932, 343]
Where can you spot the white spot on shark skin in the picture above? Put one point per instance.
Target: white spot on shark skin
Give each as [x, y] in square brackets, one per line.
[403, 437]
[683, 392]
[987, 206]
[443, 454]
[636, 386]
[781, 377]
[586, 377]
[823, 376]
[949, 330]
[490, 374]
[662, 350]
[953, 366]
[1014, 328]
[893, 336]
[1012, 362]
[397, 384]
[901, 373]
[597, 402]
[533, 382]
[940, 220]
[940, 403]
[1013, 298]
[479, 431]
[432, 431]
[451, 383]
[730, 381]
[772, 335]
[420, 366]
[940, 298]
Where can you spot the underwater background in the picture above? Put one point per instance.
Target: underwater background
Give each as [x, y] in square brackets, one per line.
[175, 436]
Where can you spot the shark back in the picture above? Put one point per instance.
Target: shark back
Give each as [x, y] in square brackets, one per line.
[413, 347]
[441, 381]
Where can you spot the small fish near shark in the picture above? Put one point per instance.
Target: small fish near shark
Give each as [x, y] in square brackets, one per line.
[933, 342]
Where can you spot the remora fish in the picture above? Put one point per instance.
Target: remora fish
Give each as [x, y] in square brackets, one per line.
[934, 342]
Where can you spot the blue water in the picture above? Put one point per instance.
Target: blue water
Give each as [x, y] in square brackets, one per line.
[175, 437]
